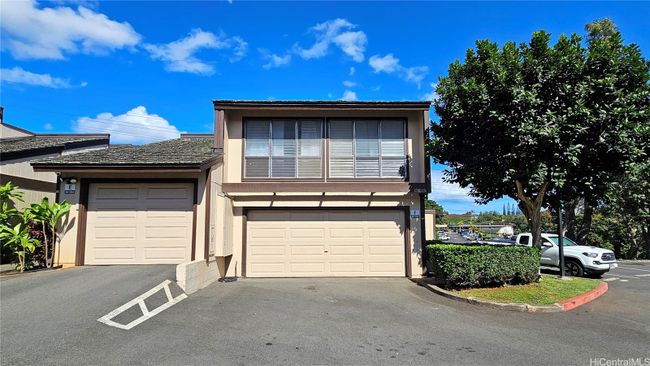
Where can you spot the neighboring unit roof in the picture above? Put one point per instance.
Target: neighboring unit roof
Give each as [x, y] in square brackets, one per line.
[319, 104]
[18, 147]
[182, 153]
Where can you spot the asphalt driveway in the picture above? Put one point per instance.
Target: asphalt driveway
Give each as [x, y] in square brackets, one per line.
[308, 321]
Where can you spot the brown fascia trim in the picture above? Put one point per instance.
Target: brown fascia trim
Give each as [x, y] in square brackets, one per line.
[315, 105]
[320, 187]
[52, 167]
[52, 149]
[110, 169]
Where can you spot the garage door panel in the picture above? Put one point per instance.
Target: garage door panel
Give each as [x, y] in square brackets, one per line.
[168, 193]
[387, 267]
[165, 232]
[268, 269]
[310, 250]
[316, 243]
[343, 249]
[116, 193]
[167, 253]
[307, 268]
[346, 233]
[135, 223]
[340, 268]
[114, 253]
[307, 233]
[268, 250]
[115, 233]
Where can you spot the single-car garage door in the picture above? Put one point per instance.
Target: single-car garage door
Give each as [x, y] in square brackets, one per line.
[325, 243]
[139, 223]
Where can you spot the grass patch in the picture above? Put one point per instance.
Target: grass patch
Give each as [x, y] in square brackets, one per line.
[547, 291]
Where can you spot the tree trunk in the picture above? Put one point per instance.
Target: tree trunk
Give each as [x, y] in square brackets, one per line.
[45, 241]
[585, 227]
[646, 240]
[570, 218]
[532, 209]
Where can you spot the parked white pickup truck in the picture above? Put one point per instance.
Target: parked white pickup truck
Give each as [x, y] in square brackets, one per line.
[578, 259]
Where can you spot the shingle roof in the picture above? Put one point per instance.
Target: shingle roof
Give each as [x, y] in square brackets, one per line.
[44, 144]
[186, 152]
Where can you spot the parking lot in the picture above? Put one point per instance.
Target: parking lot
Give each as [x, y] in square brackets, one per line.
[52, 318]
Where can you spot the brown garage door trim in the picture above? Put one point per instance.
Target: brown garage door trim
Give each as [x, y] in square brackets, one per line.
[83, 209]
[407, 222]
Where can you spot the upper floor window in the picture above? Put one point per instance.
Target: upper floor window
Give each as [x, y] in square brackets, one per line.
[283, 149]
[367, 149]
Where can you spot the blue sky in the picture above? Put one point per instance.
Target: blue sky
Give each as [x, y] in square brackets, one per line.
[148, 70]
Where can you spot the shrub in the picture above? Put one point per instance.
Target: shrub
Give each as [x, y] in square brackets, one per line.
[461, 266]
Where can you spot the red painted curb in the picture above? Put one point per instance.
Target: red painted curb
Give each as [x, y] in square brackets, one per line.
[582, 299]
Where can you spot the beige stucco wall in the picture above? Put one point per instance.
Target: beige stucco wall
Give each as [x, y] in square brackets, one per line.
[233, 143]
[9, 131]
[22, 168]
[429, 224]
[410, 200]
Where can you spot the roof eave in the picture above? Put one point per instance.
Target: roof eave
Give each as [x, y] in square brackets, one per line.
[320, 105]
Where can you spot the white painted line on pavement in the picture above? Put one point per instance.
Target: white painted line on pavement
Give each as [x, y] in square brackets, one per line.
[146, 313]
[610, 279]
[634, 269]
[619, 275]
[624, 280]
[643, 275]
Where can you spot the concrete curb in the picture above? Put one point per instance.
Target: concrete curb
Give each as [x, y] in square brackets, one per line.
[566, 305]
[576, 301]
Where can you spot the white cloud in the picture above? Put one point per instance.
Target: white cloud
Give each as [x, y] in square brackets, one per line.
[340, 33]
[352, 71]
[135, 126]
[18, 75]
[240, 49]
[349, 84]
[390, 64]
[179, 55]
[30, 32]
[48, 127]
[273, 59]
[349, 95]
[443, 191]
[430, 96]
[387, 64]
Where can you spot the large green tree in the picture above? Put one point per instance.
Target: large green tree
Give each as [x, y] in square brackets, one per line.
[542, 123]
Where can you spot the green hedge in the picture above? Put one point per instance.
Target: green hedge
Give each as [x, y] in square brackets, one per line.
[462, 266]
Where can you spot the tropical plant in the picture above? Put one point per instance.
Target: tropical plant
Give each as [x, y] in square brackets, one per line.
[48, 217]
[18, 240]
[8, 195]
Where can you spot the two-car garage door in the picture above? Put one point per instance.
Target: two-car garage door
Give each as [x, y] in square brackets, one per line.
[139, 223]
[325, 243]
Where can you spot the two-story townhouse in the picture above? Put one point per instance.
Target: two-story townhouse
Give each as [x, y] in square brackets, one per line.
[324, 188]
[282, 189]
